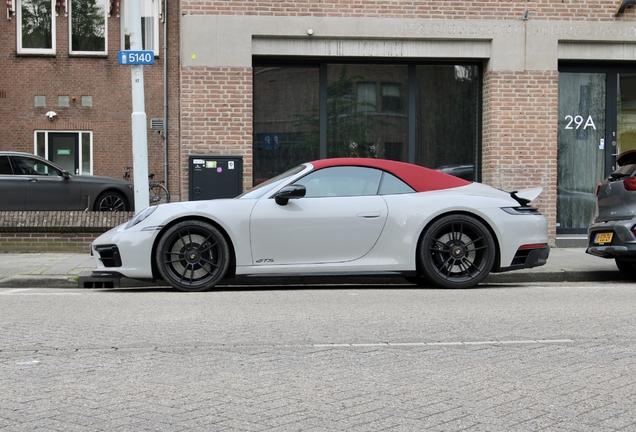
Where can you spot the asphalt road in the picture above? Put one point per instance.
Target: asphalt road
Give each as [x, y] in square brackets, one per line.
[498, 358]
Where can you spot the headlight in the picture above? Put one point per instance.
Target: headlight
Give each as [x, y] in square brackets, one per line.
[524, 210]
[141, 216]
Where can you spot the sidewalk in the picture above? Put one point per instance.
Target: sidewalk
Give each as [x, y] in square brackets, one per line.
[61, 270]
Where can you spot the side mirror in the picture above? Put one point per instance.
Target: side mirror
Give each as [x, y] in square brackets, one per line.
[289, 192]
[66, 174]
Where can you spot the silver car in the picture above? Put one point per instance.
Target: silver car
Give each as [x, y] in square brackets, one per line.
[613, 234]
[29, 182]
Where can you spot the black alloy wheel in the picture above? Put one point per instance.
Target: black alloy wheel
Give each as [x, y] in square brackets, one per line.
[111, 202]
[627, 268]
[456, 251]
[192, 256]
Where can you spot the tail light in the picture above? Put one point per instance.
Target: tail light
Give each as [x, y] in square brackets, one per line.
[598, 188]
[630, 184]
[533, 246]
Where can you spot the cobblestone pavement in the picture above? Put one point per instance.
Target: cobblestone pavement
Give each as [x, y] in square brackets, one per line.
[499, 358]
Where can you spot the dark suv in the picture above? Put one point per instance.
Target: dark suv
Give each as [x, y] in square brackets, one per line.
[613, 234]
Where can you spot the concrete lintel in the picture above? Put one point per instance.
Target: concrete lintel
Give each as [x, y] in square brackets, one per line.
[348, 47]
[515, 44]
[597, 51]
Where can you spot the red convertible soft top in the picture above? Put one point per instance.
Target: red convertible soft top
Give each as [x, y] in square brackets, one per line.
[419, 178]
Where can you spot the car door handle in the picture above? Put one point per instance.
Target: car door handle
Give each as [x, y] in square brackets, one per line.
[32, 179]
[369, 215]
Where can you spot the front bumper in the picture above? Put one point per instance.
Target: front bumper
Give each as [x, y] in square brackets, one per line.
[623, 244]
[125, 251]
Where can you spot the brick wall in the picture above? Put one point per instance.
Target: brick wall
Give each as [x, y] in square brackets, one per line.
[520, 119]
[55, 231]
[216, 116]
[562, 10]
[25, 76]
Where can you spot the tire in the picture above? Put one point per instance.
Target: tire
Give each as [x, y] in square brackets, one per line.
[456, 251]
[158, 194]
[112, 202]
[627, 268]
[192, 256]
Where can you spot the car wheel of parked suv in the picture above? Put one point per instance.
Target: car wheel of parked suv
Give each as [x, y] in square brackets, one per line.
[628, 268]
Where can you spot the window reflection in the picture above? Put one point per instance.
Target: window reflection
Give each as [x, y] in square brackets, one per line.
[286, 121]
[36, 22]
[447, 114]
[366, 114]
[88, 25]
[357, 126]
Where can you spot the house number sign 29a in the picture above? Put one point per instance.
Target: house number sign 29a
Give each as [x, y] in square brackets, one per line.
[578, 122]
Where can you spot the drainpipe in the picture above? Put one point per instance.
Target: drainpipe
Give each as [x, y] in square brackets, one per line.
[165, 92]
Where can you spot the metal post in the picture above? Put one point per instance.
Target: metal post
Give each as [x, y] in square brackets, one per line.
[139, 131]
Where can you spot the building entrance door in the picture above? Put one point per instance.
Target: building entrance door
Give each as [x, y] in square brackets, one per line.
[582, 148]
[64, 150]
[597, 122]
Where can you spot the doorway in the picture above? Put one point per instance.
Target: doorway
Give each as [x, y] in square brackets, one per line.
[63, 150]
[71, 151]
[597, 122]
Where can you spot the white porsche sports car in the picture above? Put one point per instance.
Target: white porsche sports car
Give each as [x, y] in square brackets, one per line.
[335, 216]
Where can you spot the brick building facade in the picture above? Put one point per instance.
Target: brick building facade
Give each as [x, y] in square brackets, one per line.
[525, 93]
[89, 91]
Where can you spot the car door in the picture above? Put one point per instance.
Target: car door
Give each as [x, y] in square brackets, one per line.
[46, 187]
[340, 219]
[12, 187]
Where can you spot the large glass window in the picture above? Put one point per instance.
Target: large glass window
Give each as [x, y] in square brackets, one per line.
[88, 30]
[36, 27]
[357, 125]
[149, 25]
[447, 118]
[418, 113]
[286, 120]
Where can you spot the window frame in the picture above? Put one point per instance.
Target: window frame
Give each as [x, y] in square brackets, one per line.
[387, 102]
[409, 94]
[104, 53]
[34, 51]
[41, 148]
[366, 106]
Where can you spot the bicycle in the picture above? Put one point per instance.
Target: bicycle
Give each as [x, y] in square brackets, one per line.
[158, 193]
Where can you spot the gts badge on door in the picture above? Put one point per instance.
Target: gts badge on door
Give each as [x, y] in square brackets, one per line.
[264, 261]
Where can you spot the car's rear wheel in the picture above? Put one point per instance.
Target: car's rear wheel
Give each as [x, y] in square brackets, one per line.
[456, 251]
[627, 268]
[111, 201]
[192, 256]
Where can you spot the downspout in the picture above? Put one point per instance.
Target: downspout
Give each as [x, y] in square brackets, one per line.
[165, 92]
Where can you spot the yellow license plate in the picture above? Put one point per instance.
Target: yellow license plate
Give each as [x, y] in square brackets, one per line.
[603, 238]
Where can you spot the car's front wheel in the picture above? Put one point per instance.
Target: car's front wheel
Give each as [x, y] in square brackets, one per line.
[456, 251]
[111, 201]
[627, 268]
[192, 256]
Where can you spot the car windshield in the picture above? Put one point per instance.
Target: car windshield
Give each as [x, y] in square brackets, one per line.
[263, 188]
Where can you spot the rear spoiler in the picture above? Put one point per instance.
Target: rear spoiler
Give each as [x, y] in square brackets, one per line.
[525, 196]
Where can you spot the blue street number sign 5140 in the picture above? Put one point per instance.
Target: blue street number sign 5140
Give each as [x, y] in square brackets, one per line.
[136, 57]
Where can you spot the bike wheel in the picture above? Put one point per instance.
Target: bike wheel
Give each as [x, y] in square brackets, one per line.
[158, 194]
